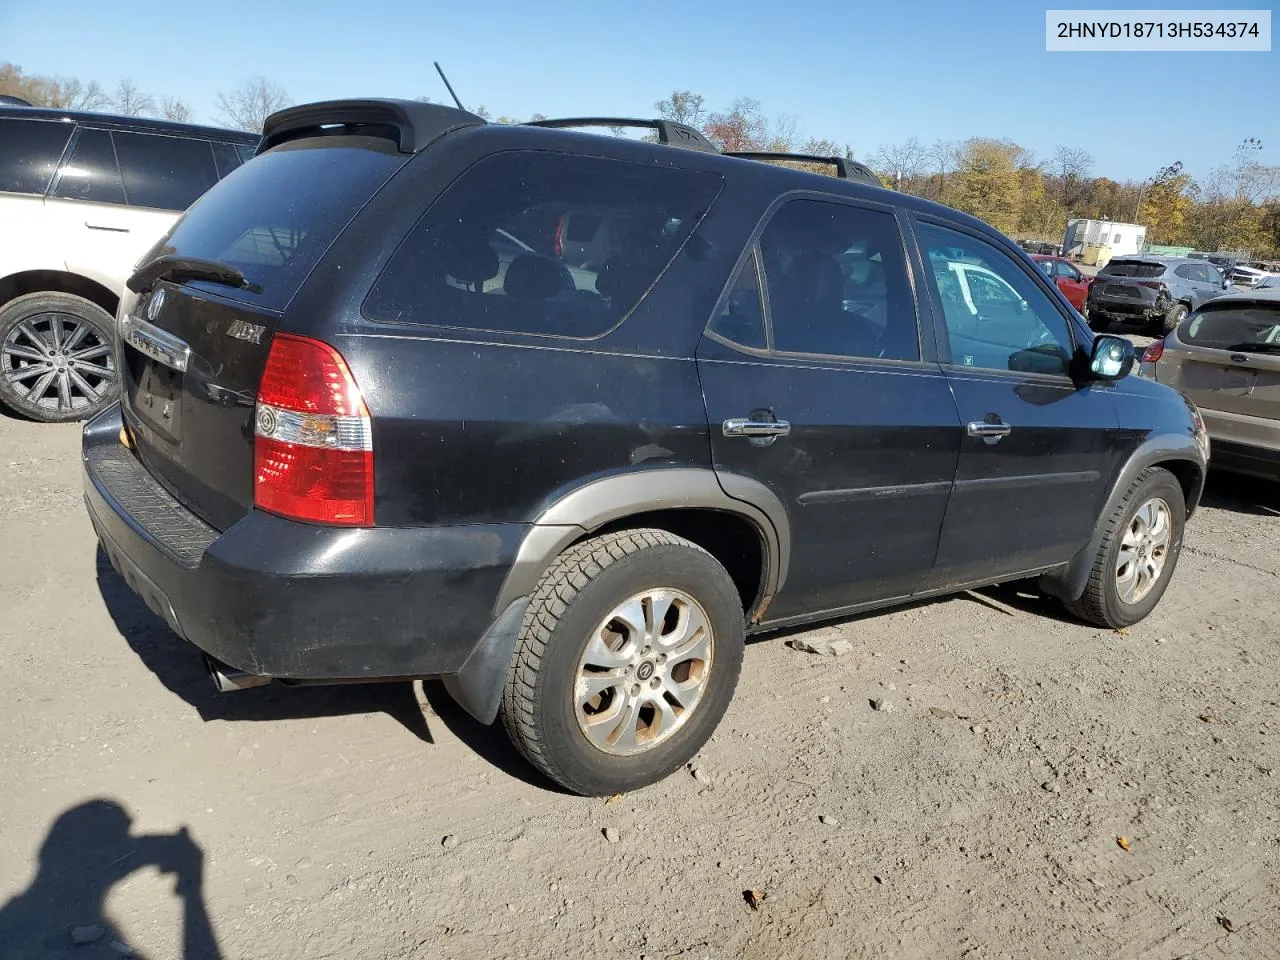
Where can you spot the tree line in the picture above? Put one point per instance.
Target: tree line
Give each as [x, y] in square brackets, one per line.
[243, 107]
[1236, 206]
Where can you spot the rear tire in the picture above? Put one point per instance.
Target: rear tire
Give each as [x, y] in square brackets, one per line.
[632, 730]
[1177, 313]
[1144, 531]
[1098, 321]
[57, 357]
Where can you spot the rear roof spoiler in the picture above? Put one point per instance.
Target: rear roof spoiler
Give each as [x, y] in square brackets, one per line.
[413, 123]
[846, 169]
[671, 133]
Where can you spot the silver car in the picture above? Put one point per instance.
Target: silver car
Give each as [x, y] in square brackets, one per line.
[1225, 358]
[1156, 292]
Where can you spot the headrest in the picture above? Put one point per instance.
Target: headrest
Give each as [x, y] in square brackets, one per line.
[815, 277]
[531, 277]
[469, 261]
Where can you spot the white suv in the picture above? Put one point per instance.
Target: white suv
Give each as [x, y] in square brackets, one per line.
[82, 197]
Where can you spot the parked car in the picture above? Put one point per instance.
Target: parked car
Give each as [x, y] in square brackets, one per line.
[1073, 284]
[343, 452]
[1226, 358]
[1156, 292]
[1250, 275]
[82, 197]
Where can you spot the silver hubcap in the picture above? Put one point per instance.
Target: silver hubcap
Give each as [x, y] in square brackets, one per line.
[1143, 551]
[644, 671]
[58, 361]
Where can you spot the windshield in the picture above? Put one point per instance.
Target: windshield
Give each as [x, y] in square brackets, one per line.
[1235, 328]
[274, 218]
[1132, 268]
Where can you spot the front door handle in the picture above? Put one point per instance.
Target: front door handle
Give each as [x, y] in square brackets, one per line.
[742, 427]
[990, 433]
[108, 228]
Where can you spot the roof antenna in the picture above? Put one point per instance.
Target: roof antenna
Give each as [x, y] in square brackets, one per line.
[449, 86]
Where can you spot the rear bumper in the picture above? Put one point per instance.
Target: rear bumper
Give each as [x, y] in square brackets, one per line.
[1243, 458]
[1127, 307]
[291, 600]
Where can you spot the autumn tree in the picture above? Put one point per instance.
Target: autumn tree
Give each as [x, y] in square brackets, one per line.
[741, 127]
[65, 93]
[901, 164]
[1071, 166]
[683, 106]
[987, 182]
[171, 108]
[129, 101]
[248, 105]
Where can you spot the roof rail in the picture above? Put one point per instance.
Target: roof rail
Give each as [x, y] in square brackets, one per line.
[846, 169]
[416, 124]
[671, 133]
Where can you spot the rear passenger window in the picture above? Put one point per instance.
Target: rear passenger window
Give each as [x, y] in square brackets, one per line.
[742, 319]
[90, 173]
[837, 284]
[29, 153]
[507, 248]
[167, 173]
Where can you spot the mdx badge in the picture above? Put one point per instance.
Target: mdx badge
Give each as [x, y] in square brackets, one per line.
[242, 330]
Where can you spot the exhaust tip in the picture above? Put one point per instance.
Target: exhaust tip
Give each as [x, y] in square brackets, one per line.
[227, 679]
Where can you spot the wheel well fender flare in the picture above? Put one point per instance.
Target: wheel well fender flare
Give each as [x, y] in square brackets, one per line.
[606, 500]
[1177, 452]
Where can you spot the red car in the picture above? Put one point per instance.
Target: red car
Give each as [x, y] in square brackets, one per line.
[1073, 283]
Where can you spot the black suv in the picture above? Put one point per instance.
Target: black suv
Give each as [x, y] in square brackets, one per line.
[377, 423]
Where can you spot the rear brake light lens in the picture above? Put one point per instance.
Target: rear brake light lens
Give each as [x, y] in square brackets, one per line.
[1153, 352]
[1153, 284]
[313, 440]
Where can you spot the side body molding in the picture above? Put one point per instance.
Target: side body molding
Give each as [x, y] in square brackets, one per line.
[1071, 582]
[608, 499]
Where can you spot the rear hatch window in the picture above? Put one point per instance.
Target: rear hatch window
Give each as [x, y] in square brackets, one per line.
[1246, 328]
[1133, 268]
[274, 218]
[542, 243]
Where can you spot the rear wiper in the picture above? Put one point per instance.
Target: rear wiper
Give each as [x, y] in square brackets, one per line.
[179, 268]
[1253, 346]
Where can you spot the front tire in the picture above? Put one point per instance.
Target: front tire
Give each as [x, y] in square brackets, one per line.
[1140, 546]
[57, 357]
[627, 659]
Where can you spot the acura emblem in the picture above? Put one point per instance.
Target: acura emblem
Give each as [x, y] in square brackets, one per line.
[153, 307]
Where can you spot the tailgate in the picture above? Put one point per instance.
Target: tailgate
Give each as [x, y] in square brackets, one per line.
[195, 343]
[189, 376]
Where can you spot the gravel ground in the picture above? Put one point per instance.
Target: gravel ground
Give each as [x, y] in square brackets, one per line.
[1029, 787]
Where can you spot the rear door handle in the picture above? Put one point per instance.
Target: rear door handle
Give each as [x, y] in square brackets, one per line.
[742, 427]
[990, 433]
[106, 227]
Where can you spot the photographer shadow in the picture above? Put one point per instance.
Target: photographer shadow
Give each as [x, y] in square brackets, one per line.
[87, 851]
[180, 667]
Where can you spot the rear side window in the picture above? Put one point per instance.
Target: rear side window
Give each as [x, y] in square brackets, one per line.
[836, 278]
[493, 252]
[90, 173]
[1133, 268]
[226, 156]
[274, 218]
[29, 153]
[167, 173]
[1243, 328]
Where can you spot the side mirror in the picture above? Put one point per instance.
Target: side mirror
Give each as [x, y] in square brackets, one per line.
[1111, 359]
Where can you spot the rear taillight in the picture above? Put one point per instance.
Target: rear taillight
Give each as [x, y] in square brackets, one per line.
[1153, 284]
[313, 442]
[1153, 352]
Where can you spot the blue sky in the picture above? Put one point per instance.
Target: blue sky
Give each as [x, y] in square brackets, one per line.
[862, 74]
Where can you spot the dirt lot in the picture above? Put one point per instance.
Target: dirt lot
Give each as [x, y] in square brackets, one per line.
[978, 815]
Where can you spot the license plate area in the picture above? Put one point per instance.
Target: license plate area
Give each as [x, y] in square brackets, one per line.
[155, 394]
